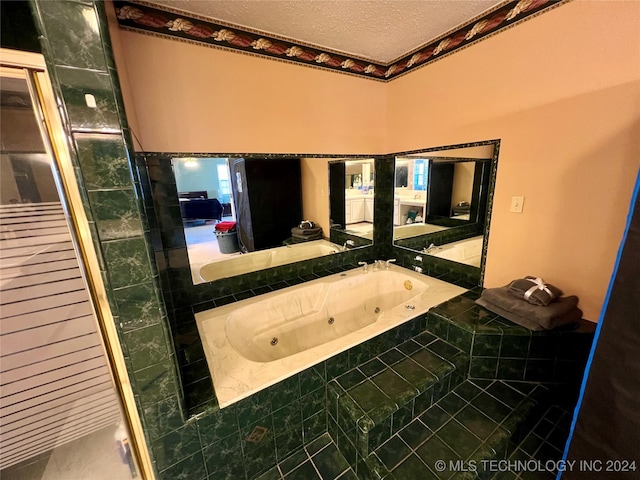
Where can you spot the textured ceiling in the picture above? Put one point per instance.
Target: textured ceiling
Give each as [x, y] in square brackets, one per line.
[377, 30]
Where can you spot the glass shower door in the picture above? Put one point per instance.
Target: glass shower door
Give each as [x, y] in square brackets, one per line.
[61, 416]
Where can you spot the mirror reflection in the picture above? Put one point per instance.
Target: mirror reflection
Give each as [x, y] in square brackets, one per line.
[351, 201]
[440, 201]
[242, 214]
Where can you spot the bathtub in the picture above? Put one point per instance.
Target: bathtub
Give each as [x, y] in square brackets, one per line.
[254, 343]
[467, 251]
[415, 229]
[273, 257]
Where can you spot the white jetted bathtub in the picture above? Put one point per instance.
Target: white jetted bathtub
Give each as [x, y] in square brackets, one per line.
[415, 229]
[467, 251]
[273, 257]
[257, 342]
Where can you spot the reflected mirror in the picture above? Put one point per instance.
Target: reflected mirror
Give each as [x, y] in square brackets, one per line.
[244, 214]
[440, 201]
[351, 186]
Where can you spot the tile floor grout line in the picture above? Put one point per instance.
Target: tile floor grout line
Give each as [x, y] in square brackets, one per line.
[327, 445]
[315, 468]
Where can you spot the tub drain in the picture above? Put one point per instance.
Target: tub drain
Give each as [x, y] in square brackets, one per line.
[331, 320]
[274, 341]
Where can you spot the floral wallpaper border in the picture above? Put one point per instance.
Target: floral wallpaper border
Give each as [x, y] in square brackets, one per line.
[187, 27]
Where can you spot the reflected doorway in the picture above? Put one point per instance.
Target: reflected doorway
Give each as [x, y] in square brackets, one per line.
[206, 199]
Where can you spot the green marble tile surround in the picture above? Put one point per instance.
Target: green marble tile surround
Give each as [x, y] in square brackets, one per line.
[319, 460]
[411, 453]
[500, 349]
[459, 274]
[183, 299]
[393, 416]
[439, 238]
[143, 262]
[79, 61]
[477, 421]
[374, 400]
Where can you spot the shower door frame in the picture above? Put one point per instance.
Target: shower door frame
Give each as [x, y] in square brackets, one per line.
[33, 69]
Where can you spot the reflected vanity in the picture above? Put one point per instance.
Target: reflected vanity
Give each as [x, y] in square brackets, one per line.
[351, 201]
[267, 198]
[441, 201]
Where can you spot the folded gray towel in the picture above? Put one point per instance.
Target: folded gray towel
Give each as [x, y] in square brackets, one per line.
[542, 315]
[530, 322]
[306, 231]
[534, 290]
[317, 236]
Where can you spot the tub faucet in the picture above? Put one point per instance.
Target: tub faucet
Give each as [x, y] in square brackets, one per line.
[430, 248]
[365, 266]
[348, 243]
[388, 263]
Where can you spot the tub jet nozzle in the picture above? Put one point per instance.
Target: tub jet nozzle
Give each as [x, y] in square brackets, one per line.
[331, 320]
[274, 341]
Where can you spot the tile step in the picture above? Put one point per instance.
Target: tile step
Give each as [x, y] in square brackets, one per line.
[374, 400]
[477, 421]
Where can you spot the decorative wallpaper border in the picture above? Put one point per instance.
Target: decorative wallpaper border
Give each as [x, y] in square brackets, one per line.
[191, 28]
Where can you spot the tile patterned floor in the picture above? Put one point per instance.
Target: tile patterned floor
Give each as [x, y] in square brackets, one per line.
[406, 452]
[546, 441]
[472, 423]
[320, 460]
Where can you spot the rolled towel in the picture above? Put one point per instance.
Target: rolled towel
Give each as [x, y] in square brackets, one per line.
[534, 290]
[542, 315]
[531, 322]
[306, 231]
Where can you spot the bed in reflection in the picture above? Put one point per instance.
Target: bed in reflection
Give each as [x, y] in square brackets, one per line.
[196, 207]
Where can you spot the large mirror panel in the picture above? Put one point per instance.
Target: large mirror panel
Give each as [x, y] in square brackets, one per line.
[351, 185]
[441, 198]
[245, 214]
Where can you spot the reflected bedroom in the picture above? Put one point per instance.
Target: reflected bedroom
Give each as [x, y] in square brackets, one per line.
[245, 214]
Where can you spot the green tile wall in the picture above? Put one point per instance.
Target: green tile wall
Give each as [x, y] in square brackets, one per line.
[439, 238]
[500, 349]
[78, 63]
[144, 265]
[184, 299]
[459, 274]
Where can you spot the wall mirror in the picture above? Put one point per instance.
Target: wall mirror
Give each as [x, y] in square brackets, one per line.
[441, 200]
[245, 214]
[351, 187]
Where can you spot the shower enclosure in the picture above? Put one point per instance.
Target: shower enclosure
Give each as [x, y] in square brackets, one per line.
[63, 414]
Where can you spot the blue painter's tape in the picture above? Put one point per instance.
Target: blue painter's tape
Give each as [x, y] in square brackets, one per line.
[600, 322]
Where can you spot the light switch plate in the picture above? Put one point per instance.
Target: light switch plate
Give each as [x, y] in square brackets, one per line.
[516, 204]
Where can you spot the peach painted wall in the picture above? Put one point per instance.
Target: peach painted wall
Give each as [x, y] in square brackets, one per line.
[315, 191]
[562, 92]
[123, 73]
[192, 98]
